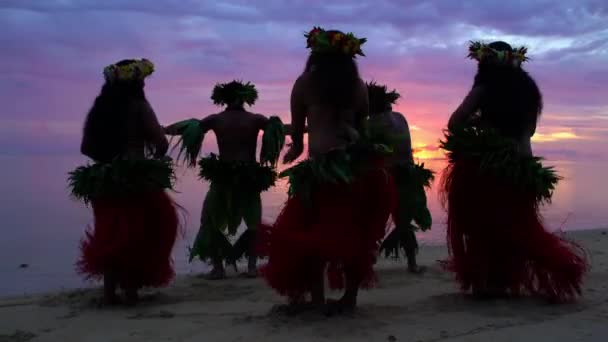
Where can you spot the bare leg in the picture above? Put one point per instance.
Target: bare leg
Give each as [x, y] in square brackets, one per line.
[252, 266]
[217, 272]
[131, 296]
[410, 245]
[317, 290]
[348, 302]
[109, 288]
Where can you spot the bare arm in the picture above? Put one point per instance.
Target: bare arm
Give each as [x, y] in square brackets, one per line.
[289, 129]
[467, 108]
[177, 128]
[261, 121]
[408, 140]
[153, 131]
[86, 147]
[298, 121]
[363, 107]
[208, 123]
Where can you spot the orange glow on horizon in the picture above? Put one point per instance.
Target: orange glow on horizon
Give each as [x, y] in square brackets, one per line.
[555, 136]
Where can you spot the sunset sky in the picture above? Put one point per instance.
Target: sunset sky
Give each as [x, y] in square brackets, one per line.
[53, 53]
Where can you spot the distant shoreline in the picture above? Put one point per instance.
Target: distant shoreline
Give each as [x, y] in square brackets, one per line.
[426, 250]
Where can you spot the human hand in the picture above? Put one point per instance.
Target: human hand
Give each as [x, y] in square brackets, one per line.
[293, 153]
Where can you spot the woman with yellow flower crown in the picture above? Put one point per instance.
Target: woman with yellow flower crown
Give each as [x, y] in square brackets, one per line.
[340, 198]
[493, 188]
[136, 222]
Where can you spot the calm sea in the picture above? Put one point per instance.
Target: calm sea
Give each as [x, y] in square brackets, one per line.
[41, 225]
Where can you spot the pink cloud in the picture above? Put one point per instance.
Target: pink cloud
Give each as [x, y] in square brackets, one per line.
[52, 71]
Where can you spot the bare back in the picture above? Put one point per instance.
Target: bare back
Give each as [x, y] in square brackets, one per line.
[143, 130]
[470, 107]
[237, 133]
[328, 128]
[395, 124]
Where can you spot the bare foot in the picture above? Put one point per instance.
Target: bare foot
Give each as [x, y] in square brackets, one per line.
[216, 274]
[299, 308]
[131, 297]
[250, 274]
[338, 307]
[110, 300]
[415, 269]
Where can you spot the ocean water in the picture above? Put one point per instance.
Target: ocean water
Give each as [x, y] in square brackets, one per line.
[41, 226]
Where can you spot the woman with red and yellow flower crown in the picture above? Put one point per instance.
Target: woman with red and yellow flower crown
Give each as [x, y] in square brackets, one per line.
[136, 221]
[493, 188]
[340, 198]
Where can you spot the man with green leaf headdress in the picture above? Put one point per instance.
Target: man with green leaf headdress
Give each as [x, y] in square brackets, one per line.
[236, 178]
[410, 179]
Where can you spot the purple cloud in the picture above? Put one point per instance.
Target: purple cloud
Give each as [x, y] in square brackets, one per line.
[54, 51]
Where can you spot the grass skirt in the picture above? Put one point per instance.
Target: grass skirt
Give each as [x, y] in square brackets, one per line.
[336, 231]
[132, 237]
[497, 239]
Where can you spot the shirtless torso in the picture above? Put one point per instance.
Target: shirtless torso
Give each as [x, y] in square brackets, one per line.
[396, 125]
[143, 129]
[327, 128]
[237, 132]
[469, 108]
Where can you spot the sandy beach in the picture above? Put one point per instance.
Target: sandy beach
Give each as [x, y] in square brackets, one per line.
[403, 307]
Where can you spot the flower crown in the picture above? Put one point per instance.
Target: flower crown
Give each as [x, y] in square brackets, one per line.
[136, 70]
[227, 93]
[379, 95]
[480, 51]
[321, 41]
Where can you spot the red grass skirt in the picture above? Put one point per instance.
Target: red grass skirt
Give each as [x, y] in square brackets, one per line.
[133, 238]
[339, 231]
[497, 240]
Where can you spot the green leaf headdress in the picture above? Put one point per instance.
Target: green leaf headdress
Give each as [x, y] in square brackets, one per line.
[380, 97]
[320, 41]
[225, 94]
[480, 51]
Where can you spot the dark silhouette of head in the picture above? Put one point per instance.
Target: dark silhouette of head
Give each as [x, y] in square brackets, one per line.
[234, 95]
[335, 77]
[107, 123]
[380, 99]
[511, 98]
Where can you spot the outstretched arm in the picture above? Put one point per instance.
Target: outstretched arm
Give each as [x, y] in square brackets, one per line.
[208, 123]
[467, 108]
[289, 129]
[192, 133]
[407, 141]
[178, 128]
[363, 106]
[298, 122]
[86, 146]
[154, 131]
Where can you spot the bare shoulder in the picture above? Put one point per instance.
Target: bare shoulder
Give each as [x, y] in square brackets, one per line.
[259, 119]
[212, 117]
[301, 85]
[362, 86]
[209, 122]
[399, 117]
[142, 106]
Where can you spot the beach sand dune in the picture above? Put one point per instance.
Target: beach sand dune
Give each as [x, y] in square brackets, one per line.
[403, 307]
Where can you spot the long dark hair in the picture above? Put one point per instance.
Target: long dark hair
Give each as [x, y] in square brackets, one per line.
[335, 78]
[107, 123]
[511, 99]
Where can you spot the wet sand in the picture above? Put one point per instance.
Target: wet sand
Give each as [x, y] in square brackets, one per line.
[404, 307]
